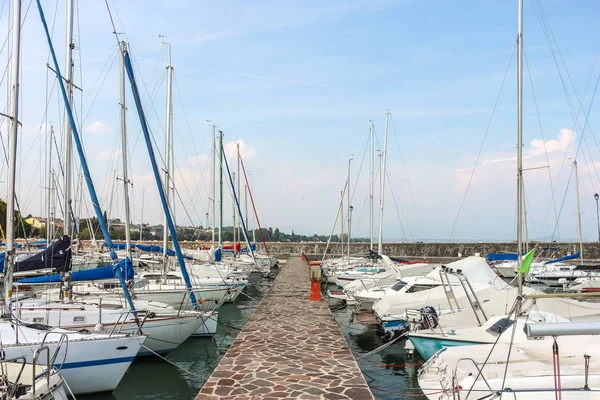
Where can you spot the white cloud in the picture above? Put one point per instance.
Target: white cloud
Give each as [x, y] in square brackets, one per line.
[553, 145]
[97, 128]
[247, 152]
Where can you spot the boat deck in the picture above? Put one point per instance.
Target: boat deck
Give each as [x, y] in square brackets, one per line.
[290, 348]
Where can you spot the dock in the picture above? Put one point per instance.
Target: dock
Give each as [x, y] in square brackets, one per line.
[290, 348]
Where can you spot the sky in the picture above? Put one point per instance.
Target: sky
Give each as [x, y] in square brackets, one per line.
[297, 84]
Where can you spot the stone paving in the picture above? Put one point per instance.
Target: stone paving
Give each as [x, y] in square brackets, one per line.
[290, 348]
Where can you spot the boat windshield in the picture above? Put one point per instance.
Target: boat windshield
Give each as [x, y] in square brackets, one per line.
[500, 326]
[398, 285]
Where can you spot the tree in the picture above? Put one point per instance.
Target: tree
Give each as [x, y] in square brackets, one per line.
[276, 235]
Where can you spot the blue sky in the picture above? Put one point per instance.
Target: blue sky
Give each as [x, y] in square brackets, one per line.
[298, 82]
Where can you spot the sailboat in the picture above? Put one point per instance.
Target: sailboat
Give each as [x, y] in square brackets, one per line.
[91, 362]
[488, 359]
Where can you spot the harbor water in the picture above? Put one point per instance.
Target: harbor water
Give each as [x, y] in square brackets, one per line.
[388, 372]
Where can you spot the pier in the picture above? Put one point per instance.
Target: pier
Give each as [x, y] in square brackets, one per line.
[290, 348]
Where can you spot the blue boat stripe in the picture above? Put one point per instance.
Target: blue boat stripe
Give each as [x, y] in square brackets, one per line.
[93, 363]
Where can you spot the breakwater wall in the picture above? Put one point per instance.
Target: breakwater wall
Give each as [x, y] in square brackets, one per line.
[413, 250]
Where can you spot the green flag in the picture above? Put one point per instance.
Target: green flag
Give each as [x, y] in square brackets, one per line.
[526, 264]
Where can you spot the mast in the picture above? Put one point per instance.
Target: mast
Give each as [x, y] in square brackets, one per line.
[246, 204]
[213, 183]
[520, 148]
[123, 47]
[221, 189]
[233, 214]
[142, 217]
[382, 179]
[67, 139]
[12, 156]
[371, 181]
[49, 185]
[168, 152]
[342, 218]
[349, 207]
[239, 221]
[578, 211]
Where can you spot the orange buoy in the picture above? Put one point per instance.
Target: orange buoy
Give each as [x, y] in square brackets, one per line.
[315, 263]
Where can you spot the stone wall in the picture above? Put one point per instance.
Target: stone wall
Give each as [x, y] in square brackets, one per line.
[431, 251]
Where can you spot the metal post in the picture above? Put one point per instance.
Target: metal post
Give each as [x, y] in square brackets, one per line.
[12, 156]
[49, 184]
[349, 205]
[596, 197]
[67, 139]
[578, 211]
[520, 148]
[213, 183]
[382, 193]
[371, 183]
[142, 216]
[221, 189]
[126, 182]
[168, 152]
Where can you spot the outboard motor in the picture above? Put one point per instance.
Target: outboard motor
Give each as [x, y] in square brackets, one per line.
[429, 317]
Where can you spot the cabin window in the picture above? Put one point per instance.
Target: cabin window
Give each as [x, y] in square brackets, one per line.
[79, 319]
[418, 288]
[500, 326]
[398, 285]
[39, 320]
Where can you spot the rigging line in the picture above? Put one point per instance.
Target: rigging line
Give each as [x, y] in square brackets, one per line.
[537, 111]
[185, 186]
[190, 131]
[549, 28]
[105, 69]
[396, 204]
[359, 170]
[187, 159]
[487, 131]
[99, 88]
[412, 194]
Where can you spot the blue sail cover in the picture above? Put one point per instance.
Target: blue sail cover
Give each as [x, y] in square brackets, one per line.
[107, 272]
[502, 257]
[565, 258]
[218, 254]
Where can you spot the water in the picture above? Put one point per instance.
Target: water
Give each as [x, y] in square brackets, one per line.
[388, 372]
[155, 378]
[391, 373]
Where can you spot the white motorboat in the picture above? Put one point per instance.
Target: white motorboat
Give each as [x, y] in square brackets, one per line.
[31, 381]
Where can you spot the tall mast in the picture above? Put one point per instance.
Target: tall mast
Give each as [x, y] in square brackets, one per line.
[213, 183]
[12, 156]
[349, 207]
[49, 186]
[123, 47]
[233, 214]
[520, 146]
[382, 193]
[342, 217]
[246, 204]
[220, 189]
[168, 152]
[578, 210]
[142, 217]
[371, 181]
[239, 221]
[67, 139]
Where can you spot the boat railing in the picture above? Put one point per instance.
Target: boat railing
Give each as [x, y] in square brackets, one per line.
[117, 328]
[11, 390]
[64, 340]
[49, 365]
[479, 375]
[467, 288]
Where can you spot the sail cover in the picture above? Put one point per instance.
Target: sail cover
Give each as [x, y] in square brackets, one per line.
[57, 256]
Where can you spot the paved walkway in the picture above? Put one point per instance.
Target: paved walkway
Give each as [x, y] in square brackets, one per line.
[290, 348]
